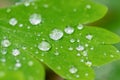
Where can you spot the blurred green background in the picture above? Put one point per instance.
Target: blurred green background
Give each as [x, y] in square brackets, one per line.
[111, 21]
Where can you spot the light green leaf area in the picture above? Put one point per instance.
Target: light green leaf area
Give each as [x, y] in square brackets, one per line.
[55, 33]
[17, 65]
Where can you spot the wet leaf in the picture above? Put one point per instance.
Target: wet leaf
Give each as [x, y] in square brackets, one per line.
[54, 32]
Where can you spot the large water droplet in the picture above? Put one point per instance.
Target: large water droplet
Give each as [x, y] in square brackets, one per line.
[69, 30]
[56, 34]
[13, 21]
[44, 46]
[5, 43]
[35, 19]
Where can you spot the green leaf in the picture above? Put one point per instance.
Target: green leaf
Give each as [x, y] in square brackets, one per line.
[52, 32]
[17, 65]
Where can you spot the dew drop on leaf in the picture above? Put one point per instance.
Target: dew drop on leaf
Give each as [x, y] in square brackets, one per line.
[80, 48]
[69, 30]
[88, 63]
[89, 37]
[56, 34]
[13, 21]
[35, 19]
[80, 27]
[88, 6]
[15, 52]
[44, 46]
[72, 40]
[18, 65]
[5, 43]
[73, 70]
[30, 63]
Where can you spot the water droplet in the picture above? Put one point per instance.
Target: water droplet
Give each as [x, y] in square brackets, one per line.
[88, 63]
[88, 6]
[80, 48]
[30, 63]
[89, 37]
[18, 65]
[85, 53]
[44, 46]
[112, 56]
[35, 19]
[15, 52]
[42, 60]
[5, 43]
[80, 27]
[45, 5]
[86, 45]
[20, 25]
[3, 60]
[77, 76]
[70, 48]
[56, 34]
[78, 54]
[4, 51]
[86, 74]
[56, 53]
[13, 21]
[73, 70]
[72, 40]
[82, 60]
[92, 48]
[26, 3]
[69, 30]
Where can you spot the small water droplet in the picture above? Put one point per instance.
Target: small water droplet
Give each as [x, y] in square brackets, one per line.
[4, 51]
[27, 3]
[88, 63]
[86, 74]
[18, 65]
[73, 70]
[45, 5]
[77, 76]
[15, 52]
[86, 45]
[89, 37]
[56, 53]
[30, 63]
[5, 43]
[80, 48]
[80, 27]
[72, 40]
[112, 56]
[82, 60]
[88, 6]
[56, 34]
[3, 60]
[20, 25]
[78, 54]
[13, 21]
[35, 19]
[70, 48]
[69, 30]
[44, 46]
[85, 53]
